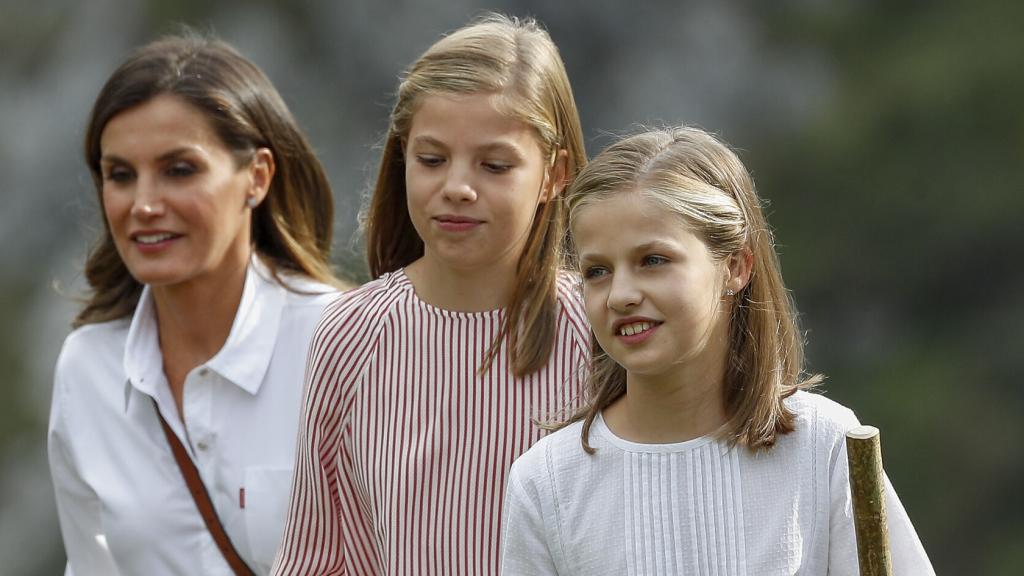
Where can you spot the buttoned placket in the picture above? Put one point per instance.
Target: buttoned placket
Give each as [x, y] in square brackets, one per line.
[197, 416]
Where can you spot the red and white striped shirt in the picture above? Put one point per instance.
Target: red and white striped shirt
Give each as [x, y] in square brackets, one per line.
[405, 447]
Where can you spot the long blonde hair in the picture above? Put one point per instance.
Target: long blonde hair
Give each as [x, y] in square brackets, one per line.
[516, 60]
[695, 176]
[291, 228]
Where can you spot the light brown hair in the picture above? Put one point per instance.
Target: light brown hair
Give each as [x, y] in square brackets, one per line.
[516, 60]
[291, 228]
[698, 178]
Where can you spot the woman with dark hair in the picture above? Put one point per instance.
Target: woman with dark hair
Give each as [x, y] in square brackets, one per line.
[176, 397]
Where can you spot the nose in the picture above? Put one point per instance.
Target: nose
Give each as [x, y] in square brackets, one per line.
[458, 186]
[624, 293]
[147, 201]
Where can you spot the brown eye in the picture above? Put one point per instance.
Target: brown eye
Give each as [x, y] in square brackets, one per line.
[429, 160]
[118, 174]
[497, 167]
[181, 170]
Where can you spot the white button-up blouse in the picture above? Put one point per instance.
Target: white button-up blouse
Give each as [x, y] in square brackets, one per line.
[124, 507]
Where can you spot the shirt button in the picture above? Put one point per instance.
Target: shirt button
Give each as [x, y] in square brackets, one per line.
[203, 371]
[202, 446]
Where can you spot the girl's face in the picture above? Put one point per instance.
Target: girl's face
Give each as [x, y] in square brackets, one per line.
[173, 195]
[652, 291]
[474, 179]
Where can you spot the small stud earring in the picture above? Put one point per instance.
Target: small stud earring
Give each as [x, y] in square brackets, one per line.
[251, 202]
[730, 292]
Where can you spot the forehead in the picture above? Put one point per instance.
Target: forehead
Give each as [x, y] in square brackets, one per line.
[162, 121]
[477, 118]
[623, 221]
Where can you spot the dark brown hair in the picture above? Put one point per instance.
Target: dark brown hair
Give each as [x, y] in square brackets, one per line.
[291, 228]
[516, 60]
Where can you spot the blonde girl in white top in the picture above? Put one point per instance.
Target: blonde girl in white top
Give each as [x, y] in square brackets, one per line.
[423, 383]
[700, 450]
[208, 279]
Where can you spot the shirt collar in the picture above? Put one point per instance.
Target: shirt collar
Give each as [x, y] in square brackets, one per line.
[245, 356]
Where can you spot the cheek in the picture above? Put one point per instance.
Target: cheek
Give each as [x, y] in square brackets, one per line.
[115, 207]
[415, 186]
[593, 305]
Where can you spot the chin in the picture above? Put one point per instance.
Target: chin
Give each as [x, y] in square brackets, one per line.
[153, 276]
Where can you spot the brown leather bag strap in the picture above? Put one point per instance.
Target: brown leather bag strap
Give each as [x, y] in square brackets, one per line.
[202, 500]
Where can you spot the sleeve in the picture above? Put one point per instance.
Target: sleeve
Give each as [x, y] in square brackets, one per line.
[320, 519]
[78, 506]
[908, 555]
[525, 548]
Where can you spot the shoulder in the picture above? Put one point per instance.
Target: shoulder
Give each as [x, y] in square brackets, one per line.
[302, 291]
[306, 299]
[824, 415]
[367, 304]
[821, 426]
[88, 345]
[89, 371]
[352, 322]
[555, 455]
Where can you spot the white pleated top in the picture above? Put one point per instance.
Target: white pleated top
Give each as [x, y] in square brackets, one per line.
[699, 507]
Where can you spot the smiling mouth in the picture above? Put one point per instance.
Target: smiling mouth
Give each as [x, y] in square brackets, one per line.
[149, 239]
[634, 328]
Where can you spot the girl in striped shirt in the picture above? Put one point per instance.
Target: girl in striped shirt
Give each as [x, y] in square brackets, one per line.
[422, 384]
[700, 450]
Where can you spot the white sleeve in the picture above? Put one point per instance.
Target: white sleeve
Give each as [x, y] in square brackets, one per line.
[525, 547]
[908, 555]
[78, 507]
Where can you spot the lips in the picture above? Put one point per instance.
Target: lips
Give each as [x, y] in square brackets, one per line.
[455, 223]
[634, 330]
[153, 240]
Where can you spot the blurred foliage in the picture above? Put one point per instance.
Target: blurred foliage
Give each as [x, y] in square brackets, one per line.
[17, 418]
[898, 212]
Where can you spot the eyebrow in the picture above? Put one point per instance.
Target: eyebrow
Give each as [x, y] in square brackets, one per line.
[646, 247]
[656, 246]
[169, 155]
[498, 146]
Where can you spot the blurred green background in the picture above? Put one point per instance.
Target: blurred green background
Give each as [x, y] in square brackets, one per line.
[888, 138]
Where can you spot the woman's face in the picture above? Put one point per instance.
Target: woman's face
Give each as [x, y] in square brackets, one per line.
[173, 195]
[474, 179]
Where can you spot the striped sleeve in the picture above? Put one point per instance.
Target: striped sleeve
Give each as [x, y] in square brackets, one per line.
[570, 295]
[319, 527]
[573, 314]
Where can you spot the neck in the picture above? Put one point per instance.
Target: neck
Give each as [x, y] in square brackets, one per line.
[194, 319]
[678, 405]
[461, 289]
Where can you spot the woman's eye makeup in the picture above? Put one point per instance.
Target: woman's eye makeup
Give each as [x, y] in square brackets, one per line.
[591, 272]
[117, 173]
[181, 169]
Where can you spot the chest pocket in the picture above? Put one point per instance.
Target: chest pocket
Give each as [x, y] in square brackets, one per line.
[266, 506]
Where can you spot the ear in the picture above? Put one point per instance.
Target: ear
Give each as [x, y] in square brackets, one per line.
[739, 268]
[261, 172]
[556, 177]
